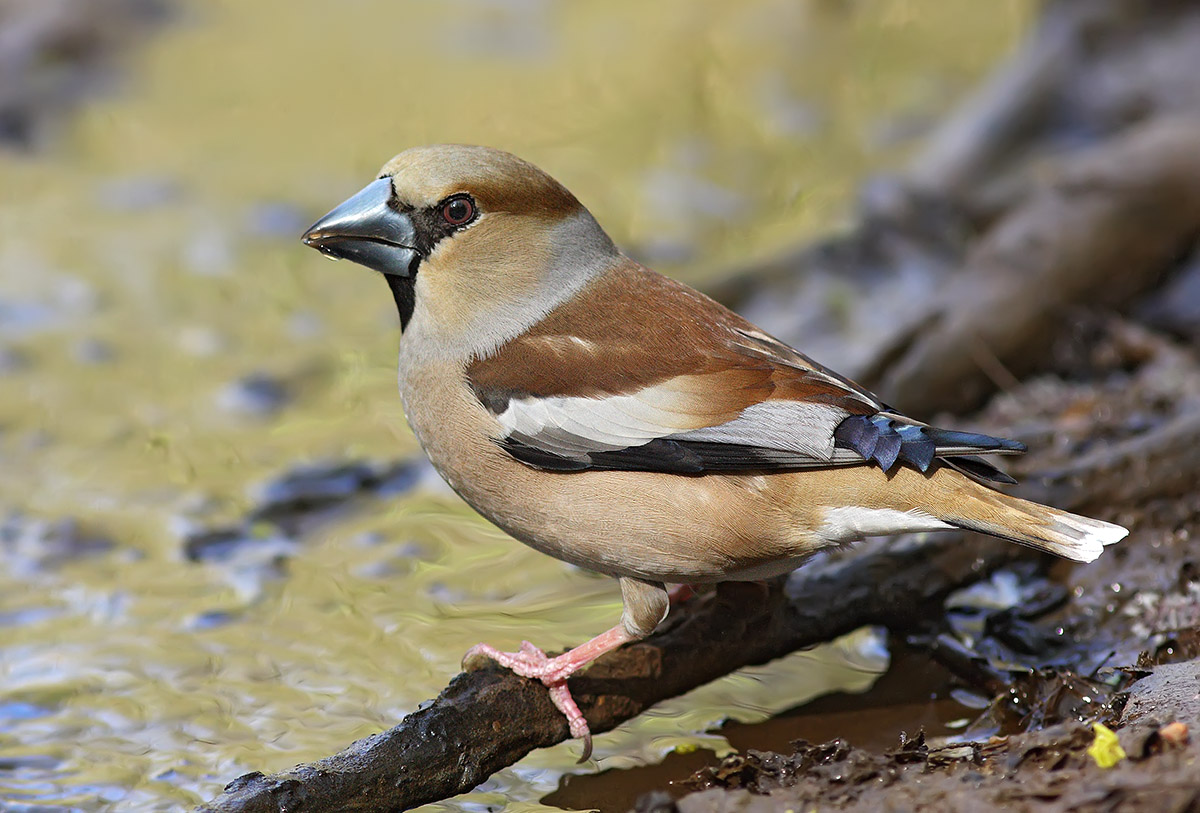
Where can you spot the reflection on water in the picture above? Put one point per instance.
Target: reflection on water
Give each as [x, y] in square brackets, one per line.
[166, 344]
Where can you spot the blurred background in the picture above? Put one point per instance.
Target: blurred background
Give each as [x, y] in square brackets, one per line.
[220, 550]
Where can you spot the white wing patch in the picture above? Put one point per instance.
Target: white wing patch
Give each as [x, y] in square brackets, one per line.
[789, 426]
[575, 426]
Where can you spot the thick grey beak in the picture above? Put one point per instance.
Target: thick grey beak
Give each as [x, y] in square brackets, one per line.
[366, 230]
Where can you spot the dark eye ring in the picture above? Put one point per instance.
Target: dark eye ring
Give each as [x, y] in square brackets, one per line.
[458, 210]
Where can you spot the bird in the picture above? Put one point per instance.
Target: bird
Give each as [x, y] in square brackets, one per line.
[623, 422]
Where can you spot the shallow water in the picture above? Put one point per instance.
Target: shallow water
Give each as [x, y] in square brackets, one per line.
[149, 261]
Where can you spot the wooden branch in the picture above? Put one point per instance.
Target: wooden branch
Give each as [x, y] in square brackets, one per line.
[1105, 228]
[488, 719]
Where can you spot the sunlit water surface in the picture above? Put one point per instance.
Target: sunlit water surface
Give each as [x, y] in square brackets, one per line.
[149, 260]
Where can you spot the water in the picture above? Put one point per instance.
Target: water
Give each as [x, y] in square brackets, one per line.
[162, 229]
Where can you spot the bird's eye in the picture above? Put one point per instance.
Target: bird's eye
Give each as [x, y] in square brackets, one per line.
[458, 210]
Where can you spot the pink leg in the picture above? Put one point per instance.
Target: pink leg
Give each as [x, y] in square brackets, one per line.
[531, 662]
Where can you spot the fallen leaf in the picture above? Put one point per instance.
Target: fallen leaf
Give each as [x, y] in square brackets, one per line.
[1105, 749]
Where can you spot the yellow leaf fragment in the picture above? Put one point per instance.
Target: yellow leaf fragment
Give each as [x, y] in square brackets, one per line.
[1105, 749]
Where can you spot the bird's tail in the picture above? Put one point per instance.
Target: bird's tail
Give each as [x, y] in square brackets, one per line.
[1029, 523]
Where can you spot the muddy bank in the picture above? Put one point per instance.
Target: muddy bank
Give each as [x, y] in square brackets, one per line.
[1048, 770]
[1151, 764]
[1153, 705]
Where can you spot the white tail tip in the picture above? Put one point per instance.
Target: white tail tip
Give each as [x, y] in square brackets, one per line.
[1082, 538]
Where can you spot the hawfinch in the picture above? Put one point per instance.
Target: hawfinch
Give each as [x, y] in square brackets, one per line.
[618, 420]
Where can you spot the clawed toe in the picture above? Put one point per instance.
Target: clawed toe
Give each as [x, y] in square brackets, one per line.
[560, 695]
[531, 662]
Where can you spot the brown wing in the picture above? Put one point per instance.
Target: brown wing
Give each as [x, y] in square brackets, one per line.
[689, 387]
[604, 343]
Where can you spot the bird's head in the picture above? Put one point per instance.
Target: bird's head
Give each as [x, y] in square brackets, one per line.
[472, 240]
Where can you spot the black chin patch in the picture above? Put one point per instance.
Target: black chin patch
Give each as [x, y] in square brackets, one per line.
[404, 291]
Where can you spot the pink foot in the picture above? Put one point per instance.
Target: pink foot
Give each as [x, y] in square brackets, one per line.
[531, 662]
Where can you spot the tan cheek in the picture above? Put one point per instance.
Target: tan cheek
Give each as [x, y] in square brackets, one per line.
[496, 262]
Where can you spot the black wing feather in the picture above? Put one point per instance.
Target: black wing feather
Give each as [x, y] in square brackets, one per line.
[879, 438]
[667, 456]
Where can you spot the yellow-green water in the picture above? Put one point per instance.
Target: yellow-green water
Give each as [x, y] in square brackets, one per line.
[162, 226]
